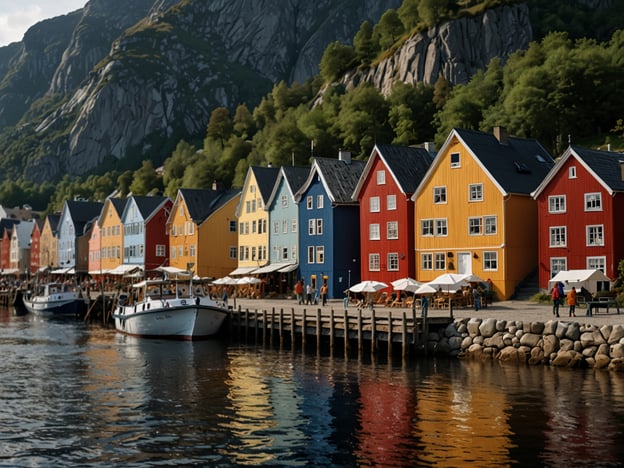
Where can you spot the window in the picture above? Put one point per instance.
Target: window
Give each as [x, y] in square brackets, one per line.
[557, 264]
[253, 205]
[391, 202]
[441, 228]
[232, 251]
[172, 254]
[192, 250]
[311, 227]
[490, 225]
[558, 236]
[241, 228]
[381, 177]
[293, 226]
[160, 250]
[440, 261]
[254, 225]
[475, 192]
[393, 261]
[246, 227]
[284, 200]
[373, 203]
[557, 204]
[426, 227]
[253, 254]
[320, 254]
[284, 226]
[232, 226]
[392, 230]
[319, 201]
[490, 261]
[594, 235]
[596, 263]
[475, 226]
[309, 202]
[275, 227]
[373, 232]
[373, 262]
[310, 254]
[426, 261]
[284, 253]
[572, 172]
[439, 194]
[293, 252]
[455, 161]
[247, 206]
[593, 202]
[319, 226]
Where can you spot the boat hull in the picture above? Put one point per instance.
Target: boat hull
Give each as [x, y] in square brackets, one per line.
[57, 306]
[176, 319]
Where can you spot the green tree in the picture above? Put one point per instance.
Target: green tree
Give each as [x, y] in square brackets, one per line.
[220, 125]
[145, 180]
[411, 113]
[388, 29]
[441, 92]
[337, 59]
[364, 45]
[408, 13]
[432, 11]
[243, 121]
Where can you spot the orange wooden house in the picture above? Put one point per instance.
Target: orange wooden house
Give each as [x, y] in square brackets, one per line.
[474, 211]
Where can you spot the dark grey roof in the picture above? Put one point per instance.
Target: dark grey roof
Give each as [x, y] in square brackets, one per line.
[341, 177]
[408, 164]
[147, 205]
[265, 178]
[605, 164]
[119, 204]
[296, 176]
[518, 166]
[201, 203]
[7, 224]
[82, 212]
[53, 219]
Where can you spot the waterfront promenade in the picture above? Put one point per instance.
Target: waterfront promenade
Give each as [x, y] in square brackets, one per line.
[526, 311]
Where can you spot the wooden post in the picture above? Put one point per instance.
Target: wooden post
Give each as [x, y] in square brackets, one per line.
[331, 331]
[346, 334]
[404, 335]
[292, 329]
[281, 328]
[257, 325]
[359, 332]
[246, 325]
[264, 327]
[373, 333]
[271, 326]
[318, 330]
[303, 330]
[389, 337]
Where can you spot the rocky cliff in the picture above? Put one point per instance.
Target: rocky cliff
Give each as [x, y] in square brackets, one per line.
[455, 49]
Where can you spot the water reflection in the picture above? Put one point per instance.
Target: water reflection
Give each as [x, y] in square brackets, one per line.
[74, 394]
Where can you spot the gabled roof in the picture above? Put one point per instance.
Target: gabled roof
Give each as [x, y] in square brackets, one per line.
[407, 166]
[53, 220]
[7, 224]
[604, 166]
[146, 205]
[201, 203]
[515, 165]
[23, 231]
[265, 178]
[294, 178]
[339, 178]
[118, 204]
[82, 212]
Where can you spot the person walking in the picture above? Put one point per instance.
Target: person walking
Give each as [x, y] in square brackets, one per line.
[476, 298]
[554, 294]
[308, 294]
[424, 305]
[299, 291]
[572, 302]
[324, 294]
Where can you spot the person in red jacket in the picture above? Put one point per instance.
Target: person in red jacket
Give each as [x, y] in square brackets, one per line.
[554, 294]
[572, 301]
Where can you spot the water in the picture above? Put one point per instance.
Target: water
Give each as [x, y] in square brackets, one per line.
[78, 395]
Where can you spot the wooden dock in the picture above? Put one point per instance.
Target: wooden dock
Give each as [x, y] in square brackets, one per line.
[398, 333]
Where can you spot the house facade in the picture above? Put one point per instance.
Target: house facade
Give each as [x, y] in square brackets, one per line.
[74, 234]
[329, 238]
[581, 207]
[95, 251]
[145, 237]
[474, 213]
[35, 246]
[48, 242]
[253, 219]
[384, 193]
[20, 247]
[111, 233]
[203, 231]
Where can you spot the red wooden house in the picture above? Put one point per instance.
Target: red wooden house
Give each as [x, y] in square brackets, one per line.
[580, 212]
[35, 246]
[384, 192]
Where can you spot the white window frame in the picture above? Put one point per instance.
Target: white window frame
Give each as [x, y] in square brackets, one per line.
[381, 177]
[475, 226]
[426, 261]
[392, 230]
[594, 232]
[374, 205]
[490, 260]
[559, 232]
[572, 172]
[558, 264]
[373, 232]
[320, 201]
[596, 263]
[557, 204]
[374, 262]
[475, 192]
[393, 261]
[440, 227]
[311, 255]
[426, 227]
[490, 225]
[456, 163]
[439, 261]
[594, 200]
[319, 226]
[439, 195]
[391, 202]
[284, 200]
[312, 227]
[309, 202]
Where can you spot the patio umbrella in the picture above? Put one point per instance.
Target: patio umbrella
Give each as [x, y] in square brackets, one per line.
[473, 279]
[425, 289]
[248, 280]
[224, 280]
[368, 286]
[406, 284]
[448, 282]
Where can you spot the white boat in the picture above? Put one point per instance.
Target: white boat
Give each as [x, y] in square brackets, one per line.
[54, 298]
[159, 313]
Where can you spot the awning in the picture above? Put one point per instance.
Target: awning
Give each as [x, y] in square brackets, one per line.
[98, 272]
[288, 268]
[243, 270]
[13, 271]
[63, 271]
[123, 269]
[271, 267]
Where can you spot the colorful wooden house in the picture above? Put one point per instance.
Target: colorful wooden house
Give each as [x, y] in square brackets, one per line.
[6, 229]
[474, 213]
[581, 208]
[203, 231]
[145, 237]
[95, 251]
[329, 238]
[111, 233]
[281, 272]
[384, 193]
[48, 242]
[20, 247]
[253, 219]
[74, 234]
[35, 247]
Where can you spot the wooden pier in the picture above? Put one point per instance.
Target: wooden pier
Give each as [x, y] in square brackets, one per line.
[398, 333]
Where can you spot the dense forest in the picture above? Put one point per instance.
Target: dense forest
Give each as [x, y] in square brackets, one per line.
[565, 87]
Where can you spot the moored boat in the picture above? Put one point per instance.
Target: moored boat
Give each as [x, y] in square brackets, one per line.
[54, 298]
[158, 312]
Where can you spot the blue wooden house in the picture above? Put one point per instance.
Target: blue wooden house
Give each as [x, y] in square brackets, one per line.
[73, 234]
[329, 235]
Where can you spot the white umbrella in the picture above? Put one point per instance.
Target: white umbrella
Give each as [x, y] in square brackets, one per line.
[448, 281]
[248, 280]
[224, 280]
[472, 279]
[368, 286]
[406, 284]
[425, 289]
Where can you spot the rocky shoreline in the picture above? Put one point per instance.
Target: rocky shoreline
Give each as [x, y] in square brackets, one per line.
[555, 342]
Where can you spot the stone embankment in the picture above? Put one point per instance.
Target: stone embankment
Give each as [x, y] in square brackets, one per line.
[555, 342]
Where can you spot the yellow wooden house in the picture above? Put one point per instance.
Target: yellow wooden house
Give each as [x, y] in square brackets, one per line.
[111, 233]
[473, 210]
[48, 242]
[253, 219]
[203, 231]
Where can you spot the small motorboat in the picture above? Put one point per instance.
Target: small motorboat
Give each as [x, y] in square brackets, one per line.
[54, 298]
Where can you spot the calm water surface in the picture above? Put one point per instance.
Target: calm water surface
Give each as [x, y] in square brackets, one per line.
[78, 395]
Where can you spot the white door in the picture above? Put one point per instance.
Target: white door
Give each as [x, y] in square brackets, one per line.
[464, 263]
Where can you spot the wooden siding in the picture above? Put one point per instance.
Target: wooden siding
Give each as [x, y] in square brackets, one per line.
[111, 231]
[155, 233]
[250, 213]
[182, 238]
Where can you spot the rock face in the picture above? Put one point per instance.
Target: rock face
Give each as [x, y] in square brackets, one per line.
[455, 49]
[121, 77]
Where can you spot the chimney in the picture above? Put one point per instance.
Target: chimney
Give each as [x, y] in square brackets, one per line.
[430, 146]
[501, 135]
[344, 156]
